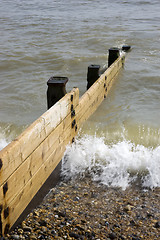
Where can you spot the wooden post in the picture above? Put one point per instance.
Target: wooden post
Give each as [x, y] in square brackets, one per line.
[56, 89]
[92, 75]
[113, 55]
[126, 48]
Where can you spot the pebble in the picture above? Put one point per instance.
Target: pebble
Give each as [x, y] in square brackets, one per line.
[128, 208]
[157, 225]
[44, 229]
[16, 237]
[20, 231]
[112, 235]
[85, 210]
[32, 237]
[27, 229]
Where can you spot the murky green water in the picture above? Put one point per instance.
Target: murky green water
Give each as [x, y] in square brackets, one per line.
[44, 38]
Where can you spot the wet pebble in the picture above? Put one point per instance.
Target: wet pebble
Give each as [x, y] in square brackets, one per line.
[157, 225]
[15, 237]
[26, 228]
[112, 235]
[85, 210]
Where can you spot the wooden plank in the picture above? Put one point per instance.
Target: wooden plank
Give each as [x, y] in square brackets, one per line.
[20, 202]
[27, 169]
[16, 152]
[57, 139]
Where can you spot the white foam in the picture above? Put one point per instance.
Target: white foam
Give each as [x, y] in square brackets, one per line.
[3, 143]
[116, 165]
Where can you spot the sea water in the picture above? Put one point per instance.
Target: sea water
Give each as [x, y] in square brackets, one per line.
[120, 143]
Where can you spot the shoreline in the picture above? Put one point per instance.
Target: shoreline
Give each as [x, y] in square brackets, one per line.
[83, 209]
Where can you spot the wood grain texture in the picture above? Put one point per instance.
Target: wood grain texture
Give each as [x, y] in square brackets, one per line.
[19, 149]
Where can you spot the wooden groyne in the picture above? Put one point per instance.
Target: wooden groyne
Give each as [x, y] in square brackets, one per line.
[28, 161]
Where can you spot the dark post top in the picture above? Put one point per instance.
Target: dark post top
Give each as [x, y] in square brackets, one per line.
[57, 81]
[126, 48]
[113, 55]
[56, 89]
[92, 75]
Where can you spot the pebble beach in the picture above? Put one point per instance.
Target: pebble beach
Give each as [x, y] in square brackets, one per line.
[83, 209]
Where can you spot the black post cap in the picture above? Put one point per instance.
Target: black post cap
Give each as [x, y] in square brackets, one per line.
[56, 89]
[57, 81]
[113, 55]
[126, 48]
[92, 75]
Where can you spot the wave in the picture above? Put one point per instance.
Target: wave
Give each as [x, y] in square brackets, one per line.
[8, 132]
[3, 142]
[116, 165]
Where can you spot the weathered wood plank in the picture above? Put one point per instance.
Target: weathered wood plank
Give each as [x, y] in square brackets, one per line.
[16, 152]
[39, 164]
[21, 200]
[27, 169]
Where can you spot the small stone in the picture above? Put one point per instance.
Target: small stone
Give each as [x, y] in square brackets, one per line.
[128, 208]
[27, 229]
[112, 235]
[16, 237]
[116, 225]
[75, 235]
[85, 194]
[106, 223]
[157, 225]
[21, 237]
[20, 231]
[88, 235]
[23, 224]
[76, 199]
[43, 222]
[36, 213]
[135, 238]
[61, 214]
[149, 215]
[80, 213]
[42, 237]
[122, 237]
[44, 229]
[83, 221]
[143, 206]
[79, 227]
[53, 232]
[32, 237]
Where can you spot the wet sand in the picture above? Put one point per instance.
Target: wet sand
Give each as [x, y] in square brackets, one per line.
[82, 209]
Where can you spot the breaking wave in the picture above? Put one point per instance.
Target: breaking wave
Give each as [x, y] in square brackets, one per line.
[117, 165]
[3, 142]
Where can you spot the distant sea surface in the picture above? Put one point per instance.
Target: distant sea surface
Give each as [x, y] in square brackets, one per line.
[120, 143]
